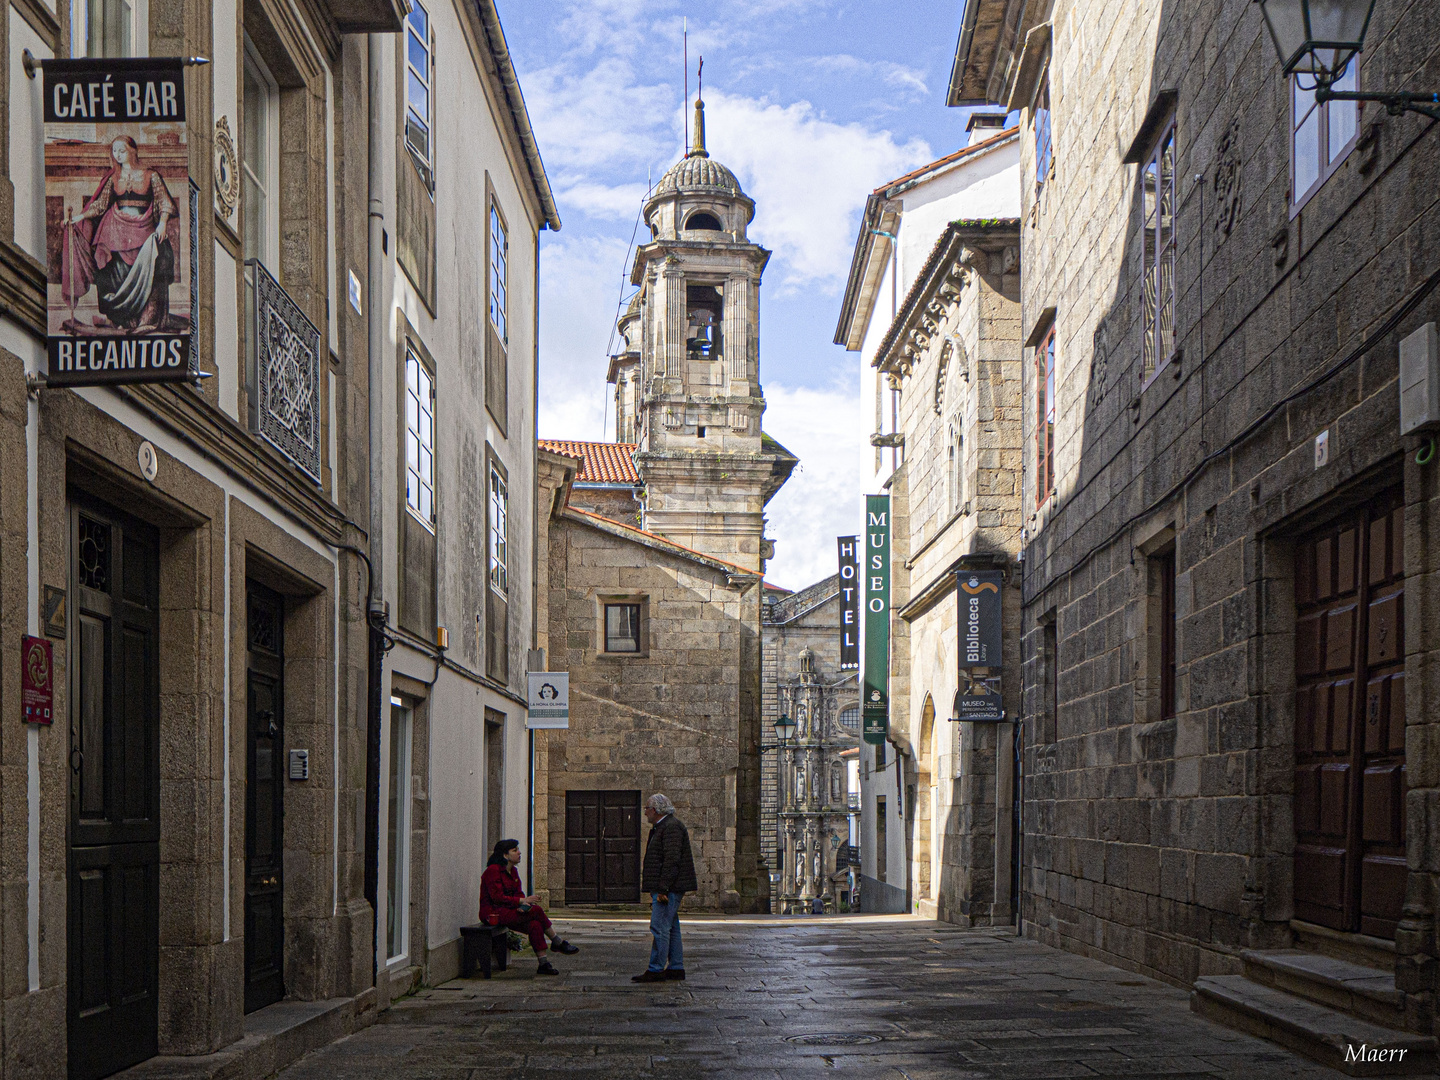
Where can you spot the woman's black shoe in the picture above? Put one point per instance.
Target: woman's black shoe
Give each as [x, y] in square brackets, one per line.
[675, 973]
[564, 947]
[546, 968]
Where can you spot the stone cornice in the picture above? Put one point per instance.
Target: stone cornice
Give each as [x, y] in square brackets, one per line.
[213, 434]
[22, 288]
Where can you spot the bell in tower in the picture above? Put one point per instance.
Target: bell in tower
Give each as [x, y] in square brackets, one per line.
[692, 337]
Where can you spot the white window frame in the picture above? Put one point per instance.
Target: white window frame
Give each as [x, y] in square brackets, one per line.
[498, 301]
[498, 542]
[420, 437]
[397, 870]
[80, 28]
[426, 159]
[1330, 158]
[269, 253]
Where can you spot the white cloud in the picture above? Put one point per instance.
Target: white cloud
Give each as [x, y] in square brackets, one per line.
[620, 202]
[580, 285]
[601, 117]
[809, 177]
[822, 498]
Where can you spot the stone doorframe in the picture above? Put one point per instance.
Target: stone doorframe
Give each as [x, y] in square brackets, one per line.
[1268, 906]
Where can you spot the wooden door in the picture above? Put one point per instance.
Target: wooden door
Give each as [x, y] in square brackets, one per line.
[619, 847]
[602, 847]
[114, 859]
[1350, 869]
[264, 805]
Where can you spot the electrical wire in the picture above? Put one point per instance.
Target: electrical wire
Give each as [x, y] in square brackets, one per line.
[619, 303]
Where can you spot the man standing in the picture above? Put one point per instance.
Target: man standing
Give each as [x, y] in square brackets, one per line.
[667, 875]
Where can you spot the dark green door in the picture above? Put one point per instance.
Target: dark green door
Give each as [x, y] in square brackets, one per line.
[264, 810]
[114, 863]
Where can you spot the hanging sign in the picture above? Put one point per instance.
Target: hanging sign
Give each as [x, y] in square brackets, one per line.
[548, 699]
[875, 593]
[979, 594]
[849, 604]
[118, 225]
[37, 681]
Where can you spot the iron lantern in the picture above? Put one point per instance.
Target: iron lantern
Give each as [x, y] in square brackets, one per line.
[1317, 37]
[784, 728]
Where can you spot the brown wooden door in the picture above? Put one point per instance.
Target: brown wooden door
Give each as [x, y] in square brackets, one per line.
[1350, 869]
[114, 873]
[602, 847]
[264, 793]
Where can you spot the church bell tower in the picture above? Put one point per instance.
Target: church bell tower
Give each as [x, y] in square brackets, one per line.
[707, 467]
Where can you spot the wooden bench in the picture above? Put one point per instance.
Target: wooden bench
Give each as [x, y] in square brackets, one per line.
[485, 945]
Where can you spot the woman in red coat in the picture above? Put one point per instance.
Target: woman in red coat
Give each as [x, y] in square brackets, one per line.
[503, 903]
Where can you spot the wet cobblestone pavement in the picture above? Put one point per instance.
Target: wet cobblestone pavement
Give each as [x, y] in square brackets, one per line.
[888, 997]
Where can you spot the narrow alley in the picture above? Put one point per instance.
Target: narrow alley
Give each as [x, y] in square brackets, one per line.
[876, 996]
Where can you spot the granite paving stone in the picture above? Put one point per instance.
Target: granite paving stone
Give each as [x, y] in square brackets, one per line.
[781, 998]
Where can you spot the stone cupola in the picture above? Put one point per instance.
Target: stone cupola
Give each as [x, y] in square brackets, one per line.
[708, 468]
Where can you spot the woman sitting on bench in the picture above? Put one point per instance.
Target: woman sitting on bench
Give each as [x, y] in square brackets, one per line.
[503, 903]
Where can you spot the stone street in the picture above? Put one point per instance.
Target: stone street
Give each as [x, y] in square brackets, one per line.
[879, 996]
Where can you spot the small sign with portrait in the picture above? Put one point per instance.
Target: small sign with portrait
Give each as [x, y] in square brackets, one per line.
[548, 700]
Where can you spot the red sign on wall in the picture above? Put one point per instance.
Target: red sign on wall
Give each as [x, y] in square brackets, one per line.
[37, 680]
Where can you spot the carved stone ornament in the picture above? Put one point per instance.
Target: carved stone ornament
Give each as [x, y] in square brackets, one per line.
[287, 374]
[227, 171]
[1228, 161]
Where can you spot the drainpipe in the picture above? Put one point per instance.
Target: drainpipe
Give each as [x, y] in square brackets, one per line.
[376, 615]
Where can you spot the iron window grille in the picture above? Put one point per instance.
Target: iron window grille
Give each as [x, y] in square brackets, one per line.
[1158, 207]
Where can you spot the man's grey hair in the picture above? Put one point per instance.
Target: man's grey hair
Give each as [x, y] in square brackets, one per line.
[660, 804]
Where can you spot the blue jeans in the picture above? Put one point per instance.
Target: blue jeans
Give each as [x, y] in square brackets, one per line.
[665, 927]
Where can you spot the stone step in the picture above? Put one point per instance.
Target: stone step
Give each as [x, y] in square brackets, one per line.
[274, 1037]
[1357, 948]
[1363, 991]
[1355, 1047]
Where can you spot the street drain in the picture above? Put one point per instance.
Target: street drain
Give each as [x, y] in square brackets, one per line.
[832, 1039]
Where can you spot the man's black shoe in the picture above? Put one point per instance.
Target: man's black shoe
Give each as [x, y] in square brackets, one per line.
[546, 968]
[564, 947]
[675, 973]
[649, 976]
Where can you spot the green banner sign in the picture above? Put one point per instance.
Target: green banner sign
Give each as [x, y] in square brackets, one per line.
[875, 594]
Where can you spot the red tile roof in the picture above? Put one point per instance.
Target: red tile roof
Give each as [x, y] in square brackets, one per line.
[601, 462]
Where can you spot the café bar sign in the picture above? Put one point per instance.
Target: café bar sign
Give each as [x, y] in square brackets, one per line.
[979, 594]
[119, 301]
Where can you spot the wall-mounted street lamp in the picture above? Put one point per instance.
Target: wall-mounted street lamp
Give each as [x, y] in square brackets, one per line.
[1320, 38]
[784, 728]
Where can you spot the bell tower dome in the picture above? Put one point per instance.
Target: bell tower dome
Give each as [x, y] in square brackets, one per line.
[707, 467]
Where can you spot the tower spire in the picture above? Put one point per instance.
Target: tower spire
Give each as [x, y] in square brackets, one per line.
[697, 149]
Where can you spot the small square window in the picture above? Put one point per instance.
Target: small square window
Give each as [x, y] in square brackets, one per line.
[622, 628]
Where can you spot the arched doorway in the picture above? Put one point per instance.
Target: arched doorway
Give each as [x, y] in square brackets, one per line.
[924, 815]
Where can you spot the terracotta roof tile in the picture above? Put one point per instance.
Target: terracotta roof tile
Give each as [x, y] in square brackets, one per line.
[601, 462]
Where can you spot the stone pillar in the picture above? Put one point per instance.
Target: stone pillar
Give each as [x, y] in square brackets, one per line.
[737, 333]
[672, 311]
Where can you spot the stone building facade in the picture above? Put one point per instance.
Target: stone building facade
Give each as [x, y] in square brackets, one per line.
[660, 646]
[657, 552]
[810, 793]
[1230, 631]
[455, 525]
[934, 313]
[192, 854]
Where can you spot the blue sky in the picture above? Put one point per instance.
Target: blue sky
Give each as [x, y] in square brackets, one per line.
[812, 103]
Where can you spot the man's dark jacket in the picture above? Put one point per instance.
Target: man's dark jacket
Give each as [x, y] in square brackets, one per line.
[668, 865]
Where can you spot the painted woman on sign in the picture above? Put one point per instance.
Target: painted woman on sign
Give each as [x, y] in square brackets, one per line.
[129, 254]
